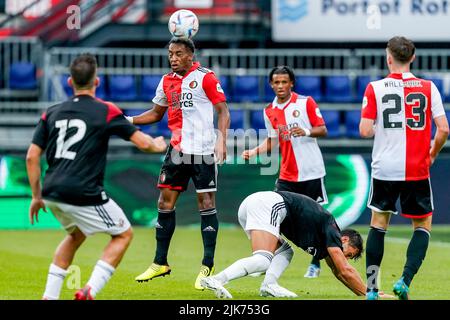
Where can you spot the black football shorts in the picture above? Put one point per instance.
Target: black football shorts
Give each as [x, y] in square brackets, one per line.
[315, 189]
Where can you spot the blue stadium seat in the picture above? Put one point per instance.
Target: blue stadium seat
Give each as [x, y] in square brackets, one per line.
[237, 118]
[257, 119]
[100, 92]
[338, 89]
[122, 88]
[352, 119]
[162, 127]
[309, 86]
[22, 76]
[439, 85]
[361, 85]
[269, 95]
[149, 84]
[67, 89]
[246, 89]
[332, 120]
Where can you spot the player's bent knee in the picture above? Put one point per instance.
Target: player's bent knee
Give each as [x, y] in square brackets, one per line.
[262, 260]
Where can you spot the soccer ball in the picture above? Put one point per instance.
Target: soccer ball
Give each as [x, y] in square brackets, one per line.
[183, 24]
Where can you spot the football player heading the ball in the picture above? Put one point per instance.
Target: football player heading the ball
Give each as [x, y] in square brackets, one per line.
[189, 94]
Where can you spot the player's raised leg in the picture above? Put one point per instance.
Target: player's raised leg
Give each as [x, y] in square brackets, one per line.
[209, 228]
[62, 259]
[165, 227]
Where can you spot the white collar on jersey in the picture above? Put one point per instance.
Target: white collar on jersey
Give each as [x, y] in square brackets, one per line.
[280, 106]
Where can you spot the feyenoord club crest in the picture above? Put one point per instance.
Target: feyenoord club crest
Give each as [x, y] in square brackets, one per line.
[296, 114]
[193, 84]
[162, 177]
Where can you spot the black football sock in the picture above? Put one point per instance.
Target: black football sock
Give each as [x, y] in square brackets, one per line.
[209, 227]
[165, 228]
[374, 255]
[415, 254]
[315, 262]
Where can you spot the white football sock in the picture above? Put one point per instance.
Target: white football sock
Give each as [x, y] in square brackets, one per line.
[258, 262]
[55, 280]
[100, 276]
[280, 262]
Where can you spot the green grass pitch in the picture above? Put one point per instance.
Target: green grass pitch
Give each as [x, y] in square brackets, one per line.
[25, 257]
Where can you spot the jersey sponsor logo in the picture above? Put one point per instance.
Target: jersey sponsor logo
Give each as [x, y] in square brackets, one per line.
[180, 101]
[296, 114]
[219, 88]
[193, 84]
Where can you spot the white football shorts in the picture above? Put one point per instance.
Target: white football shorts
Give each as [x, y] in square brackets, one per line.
[263, 210]
[106, 218]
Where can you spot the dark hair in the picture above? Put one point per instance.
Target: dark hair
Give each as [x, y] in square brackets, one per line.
[188, 43]
[402, 49]
[355, 240]
[282, 70]
[83, 70]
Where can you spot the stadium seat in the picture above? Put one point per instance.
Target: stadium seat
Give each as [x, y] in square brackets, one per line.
[246, 89]
[338, 89]
[67, 89]
[332, 122]
[361, 85]
[309, 86]
[149, 84]
[439, 85]
[237, 119]
[269, 95]
[22, 76]
[122, 88]
[352, 119]
[257, 119]
[100, 92]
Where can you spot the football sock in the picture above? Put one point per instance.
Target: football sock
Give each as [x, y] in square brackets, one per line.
[258, 262]
[315, 262]
[415, 254]
[280, 262]
[374, 255]
[165, 228]
[100, 276]
[55, 280]
[209, 227]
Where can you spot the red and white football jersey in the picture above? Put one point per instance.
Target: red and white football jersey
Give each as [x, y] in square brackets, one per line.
[403, 107]
[190, 99]
[301, 159]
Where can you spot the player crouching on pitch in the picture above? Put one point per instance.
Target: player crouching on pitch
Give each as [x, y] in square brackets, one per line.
[268, 214]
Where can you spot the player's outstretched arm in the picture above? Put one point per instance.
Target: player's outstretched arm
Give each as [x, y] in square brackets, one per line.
[150, 116]
[440, 137]
[148, 144]
[33, 162]
[344, 271]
